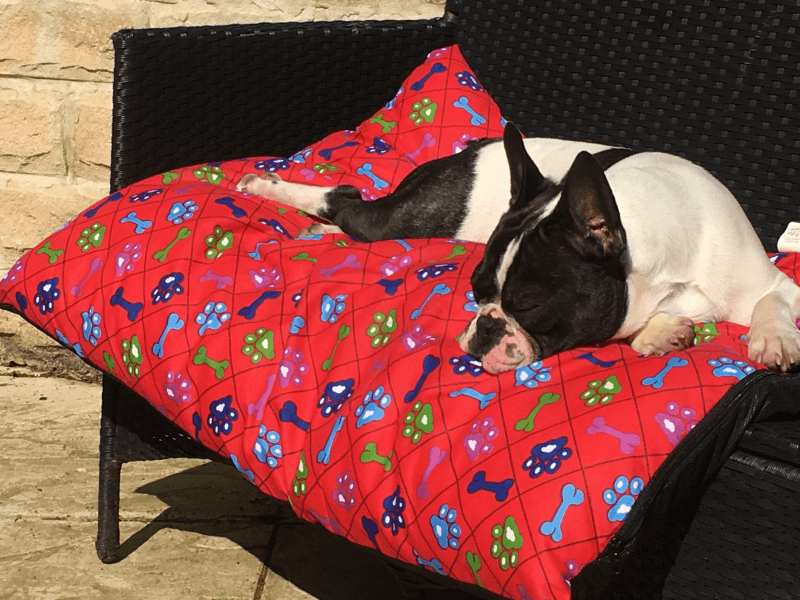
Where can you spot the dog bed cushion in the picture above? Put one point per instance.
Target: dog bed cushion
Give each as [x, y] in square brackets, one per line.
[327, 369]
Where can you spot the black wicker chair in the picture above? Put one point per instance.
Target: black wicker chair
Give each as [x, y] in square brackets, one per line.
[714, 83]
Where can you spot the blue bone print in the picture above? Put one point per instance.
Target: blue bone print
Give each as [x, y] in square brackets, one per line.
[141, 225]
[89, 214]
[476, 119]
[657, 381]
[483, 399]
[436, 68]
[429, 364]
[238, 213]
[570, 496]
[377, 182]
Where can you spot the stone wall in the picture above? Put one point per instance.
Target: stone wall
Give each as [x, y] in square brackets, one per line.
[56, 70]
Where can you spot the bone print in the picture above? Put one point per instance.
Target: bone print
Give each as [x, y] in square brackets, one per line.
[174, 323]
[238, 212]
[324, 455]
[249, 312]
[428, 141]
[436, 68]
[429, 364]
[570, 496]
[222, 281]
[257, 408]
[658, 380]
[483, 399]
[218, 366]
[351, 261]
[288, 414]
[141, 225]
[476, 119]
[435, 457]
[366, 169]
[132, 308]
[627, 441]
[439, 290]
[499, 488]
[93, 268]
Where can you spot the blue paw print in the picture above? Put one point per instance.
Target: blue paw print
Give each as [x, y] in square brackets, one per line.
[394, 505]
[273, 164]
[547, 457]
[466, 364]
[91, 326]
[334, 396]
[145, 196]
[221, 417]
[434, 271]
[372, 408]
[727, 367]
[168, 286]
[445, 528]
[530, 375]
[331, 308]
[181, 211]
[267, 447]
[622, 497]
[212, 317]
[47, 293]
[471, 305]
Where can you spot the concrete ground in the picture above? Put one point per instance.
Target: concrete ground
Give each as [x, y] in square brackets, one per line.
[190, 528]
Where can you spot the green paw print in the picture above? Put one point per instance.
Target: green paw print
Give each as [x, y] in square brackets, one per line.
[507, 540]
[601, 391]
[706, 333]
[424, 111]
[419, 420]
[382, 328]
[218, 242]
[210, 173]
[132, 355]
[169, 177]
[92, 237]
[299, 481]
[259, 344]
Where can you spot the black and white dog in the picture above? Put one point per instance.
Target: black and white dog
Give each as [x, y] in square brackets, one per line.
[591, 243]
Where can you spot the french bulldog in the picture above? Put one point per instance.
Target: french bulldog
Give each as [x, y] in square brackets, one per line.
[584, 243]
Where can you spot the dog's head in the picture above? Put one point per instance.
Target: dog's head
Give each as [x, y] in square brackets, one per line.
[552, 276]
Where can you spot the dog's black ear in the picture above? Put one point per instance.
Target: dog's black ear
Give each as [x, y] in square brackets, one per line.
[598, 230]
[527, 181]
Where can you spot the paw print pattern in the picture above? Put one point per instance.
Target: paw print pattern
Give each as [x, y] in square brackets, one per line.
[424, 111]
[91, 237]
[471, 305]
[211, 173]
[622, 497]
[393, 506]
[419, 421]
[299, 486]
[344, 494]
[445, 528]
[334, 396]
[507, 542]
[725, 366]
[373, 407]
[265, 278]
[267, 447]
[601, 392]
[706, 333]
[132, 355]
[181, 211]
[292, 369]
[168, 286]
[12, 275]
[393, 266]
[178, 387]
[480, 437]
[547, 457]
[126, 258]
[221, 416]
[331, 308]
[382, 328]
[272, 165]
[531, 375]
[466, 364]
[676, 422]
[468, 79]
[145, 196]
[260, 344]
[47, 293]
[91, 326]
[212, 317]
[434, 271]
[217, 242]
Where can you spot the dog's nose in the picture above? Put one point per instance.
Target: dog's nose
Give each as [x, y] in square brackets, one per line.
[490, 326]
[488, 332]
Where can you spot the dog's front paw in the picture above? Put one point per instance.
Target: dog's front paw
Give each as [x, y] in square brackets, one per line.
[257, 185]
[664, 333]
[776, 347]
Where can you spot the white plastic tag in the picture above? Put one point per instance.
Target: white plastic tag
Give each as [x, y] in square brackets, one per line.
[790, 240]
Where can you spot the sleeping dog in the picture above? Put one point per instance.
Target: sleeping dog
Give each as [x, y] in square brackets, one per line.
[591, 243]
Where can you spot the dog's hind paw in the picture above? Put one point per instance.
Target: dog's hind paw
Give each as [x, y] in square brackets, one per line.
[664, 333]
[257, 185]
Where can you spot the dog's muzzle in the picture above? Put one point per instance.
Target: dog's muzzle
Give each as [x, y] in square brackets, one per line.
[497, 341]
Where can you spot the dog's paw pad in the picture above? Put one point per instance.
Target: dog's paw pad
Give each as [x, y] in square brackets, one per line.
[778, 349]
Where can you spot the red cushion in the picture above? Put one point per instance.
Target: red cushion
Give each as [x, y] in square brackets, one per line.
[328, 369]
